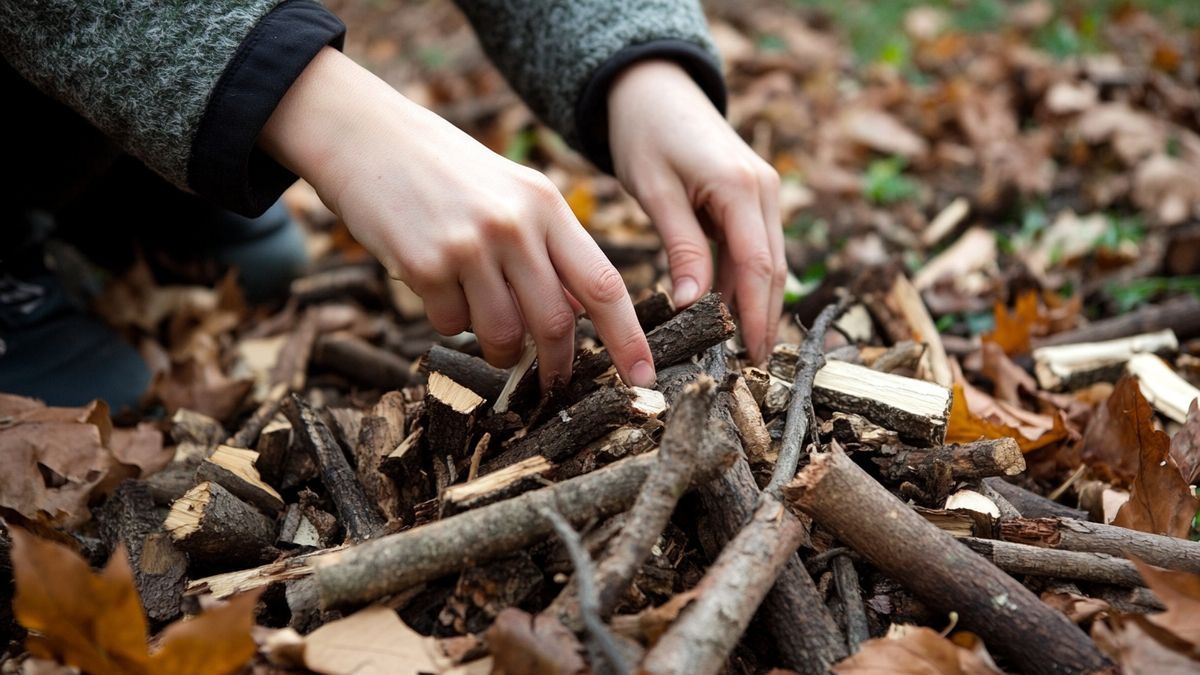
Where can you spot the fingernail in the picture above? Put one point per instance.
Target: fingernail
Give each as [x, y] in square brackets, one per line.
[686, 291]
[642, 374]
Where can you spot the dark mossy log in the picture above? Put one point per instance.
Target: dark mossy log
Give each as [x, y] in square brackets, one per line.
[234, 469]
[379, 434]
[398, 561]
[361, 282]
[512, 480]
[129, 518]
[573, 428]
[1181, 316]
[1075, 535]
[470, 371]
[219, 531]
[361, 361]
[1047, 562]
[700, 640]
[247, 435]
[968, 461]
[1031, 504]
[358, 514]
[916, 409]
[450, 410]
[705, 323]
[941, 572]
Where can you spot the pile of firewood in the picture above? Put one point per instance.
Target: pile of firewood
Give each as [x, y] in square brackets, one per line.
[545, 524]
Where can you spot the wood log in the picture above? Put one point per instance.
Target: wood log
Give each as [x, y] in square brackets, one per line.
[747, 417]
[1075, 366]
[1074, 535]
[617, 444]
[855, 431]
[1031, 504]
[398, 561]
[1047, 562]
[234, 469]
[939, 571]
[850, 594]
[193, 427]
[450, 411]
[297, 530]
[705, 323]
[701, 639]
[968, 461]
[129, 518]
[218, 530]
[1182, 316]
[592, 417]
[905, 301]
[512, 480]
[379, 434]
[291, 368]
[247, 435]
[358, 514]
[226, 584]
[360, 361]
[1169, 393]
[917, 409]
[470, 371]
[653, 308]
[360, 282]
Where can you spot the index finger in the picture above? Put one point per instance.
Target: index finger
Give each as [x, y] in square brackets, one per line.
[593, 280]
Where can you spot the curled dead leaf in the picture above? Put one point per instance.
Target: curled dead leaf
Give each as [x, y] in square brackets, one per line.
[918, 651]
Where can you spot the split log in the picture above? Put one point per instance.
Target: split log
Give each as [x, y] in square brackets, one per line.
[703, 324]
[248, 434]
[233, 469]
[617, 444]
[358, 515]
[1031, 504]
[850, 593]
[593, 416]
[701, 639]
[1182, 316]
[856, 431]
[159, 568]
[968, 461]
[905, 301]
[915, 408]
[1077, 365]
[450, 410]
[379, 434]
[470, 371]
[403, 465]
[361, 361]
[1169, 393]
[218, 530]
[939, 571]
[398, 561]
[1047, 562]
[512, 480]
[1075, 535]
[297, 530]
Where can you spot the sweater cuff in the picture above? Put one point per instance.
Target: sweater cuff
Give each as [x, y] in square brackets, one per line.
[226, 164]
[591, 111]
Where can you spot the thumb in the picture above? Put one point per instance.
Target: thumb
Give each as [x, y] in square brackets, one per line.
[686, 244]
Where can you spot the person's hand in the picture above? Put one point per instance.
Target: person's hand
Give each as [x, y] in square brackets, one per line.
[694, 176]
[487, 243]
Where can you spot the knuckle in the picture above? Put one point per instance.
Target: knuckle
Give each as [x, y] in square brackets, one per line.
[779, 276]
[769, 177]
[424, 271]
[605, 284]
[760, 264]
[739, 176]
[504, 334]
[502, 226]
[559, 324]
[541, 189]
[686, 252]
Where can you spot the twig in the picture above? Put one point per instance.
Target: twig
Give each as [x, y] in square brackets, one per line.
[852, 602]
[602, 649]
[800, 408]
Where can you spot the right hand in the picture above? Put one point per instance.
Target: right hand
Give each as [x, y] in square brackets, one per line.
[487, 243]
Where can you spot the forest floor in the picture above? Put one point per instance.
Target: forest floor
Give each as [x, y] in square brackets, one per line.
[992, 334]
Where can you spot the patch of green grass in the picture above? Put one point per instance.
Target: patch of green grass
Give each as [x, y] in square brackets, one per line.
[885, 182]
[1122, 229]
[520, 145]
[1132, 294]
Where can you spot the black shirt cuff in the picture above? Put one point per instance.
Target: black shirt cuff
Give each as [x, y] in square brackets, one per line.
[591, 111]
[226, 164]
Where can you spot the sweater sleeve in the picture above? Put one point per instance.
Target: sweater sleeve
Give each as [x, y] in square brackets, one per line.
[561, 55]
[183, 85]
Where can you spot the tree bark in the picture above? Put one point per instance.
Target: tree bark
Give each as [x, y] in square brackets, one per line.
[470, 371]
[1047, 562]
[361, 361]
[1181, 316]
[1031, 504]
[218, 530]
[1074, 535]
[938, 570]
[969, 461]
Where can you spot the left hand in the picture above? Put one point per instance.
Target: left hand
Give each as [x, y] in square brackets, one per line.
[696, 178]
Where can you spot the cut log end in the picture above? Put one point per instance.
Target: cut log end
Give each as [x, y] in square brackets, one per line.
[188, 512]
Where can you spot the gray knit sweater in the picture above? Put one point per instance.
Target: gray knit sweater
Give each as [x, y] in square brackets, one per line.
[186, 85]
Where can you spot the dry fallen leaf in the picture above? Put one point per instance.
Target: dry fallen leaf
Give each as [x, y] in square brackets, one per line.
[649, 624]
[919, 651]
[1078, 608]
[372, 640]
[1143, 648]
[95, 621]
[1180, 592]
[1185, 446]
[141, 446]
[1159, 500]
[974, 415]
[533, 645]
[1014, 330]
